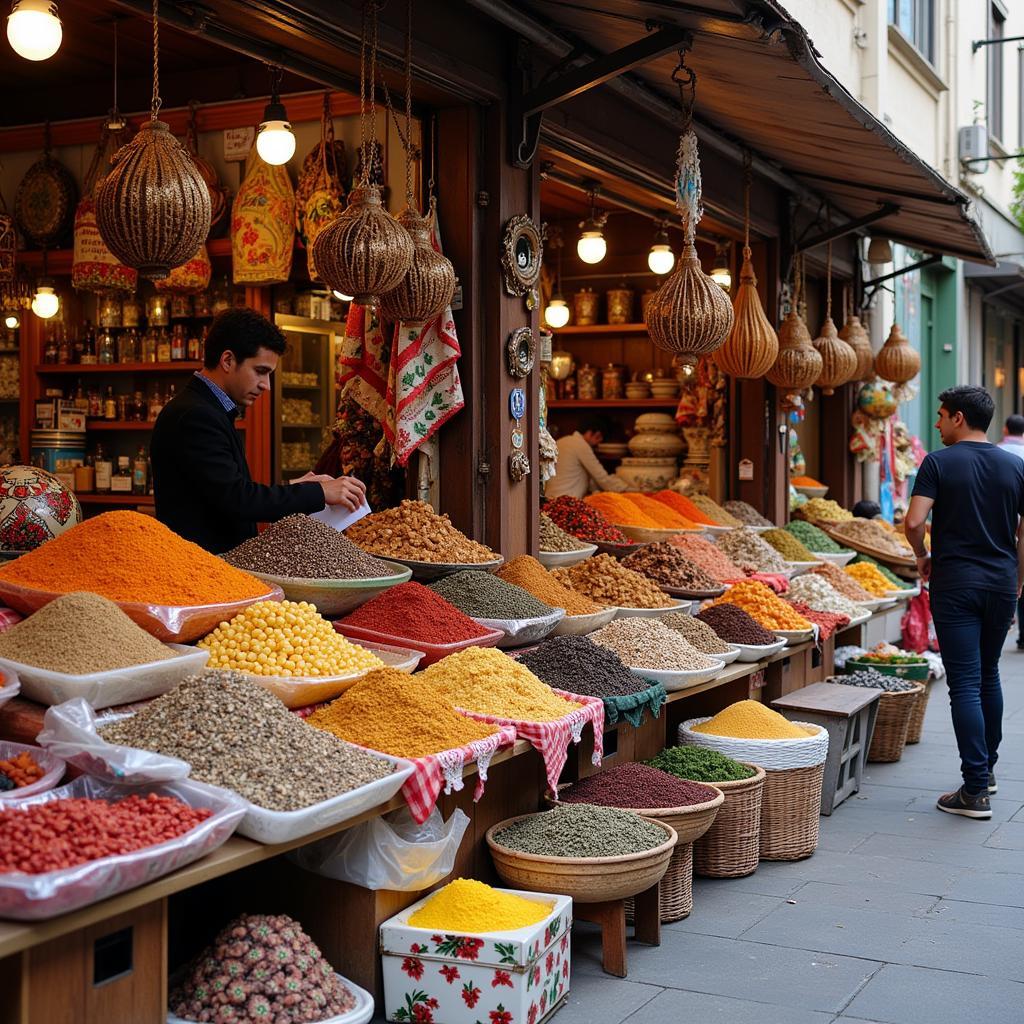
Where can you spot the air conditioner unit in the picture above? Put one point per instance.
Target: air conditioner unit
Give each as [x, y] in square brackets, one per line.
[973, 142]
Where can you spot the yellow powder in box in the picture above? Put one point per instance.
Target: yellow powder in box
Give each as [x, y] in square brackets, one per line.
[751, 720]
[486, 681]
[468, 906]
[618, 509]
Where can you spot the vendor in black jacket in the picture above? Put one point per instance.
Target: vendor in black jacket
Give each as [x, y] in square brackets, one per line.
[200, 477]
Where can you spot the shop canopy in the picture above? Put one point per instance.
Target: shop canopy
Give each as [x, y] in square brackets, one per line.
[761, 82]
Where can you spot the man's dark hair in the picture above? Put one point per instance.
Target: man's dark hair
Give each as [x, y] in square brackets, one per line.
[596, 423]
[242, 331]
[867, 509]
[1015, 425]
[975, 403]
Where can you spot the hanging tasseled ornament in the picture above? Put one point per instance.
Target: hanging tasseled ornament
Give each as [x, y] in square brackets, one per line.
[752, 345]
[365, 252]
[798, 363]
[898, 361]
[689, 314]
[856, 336]
[838, 360]
[427, 288]
[153, 208]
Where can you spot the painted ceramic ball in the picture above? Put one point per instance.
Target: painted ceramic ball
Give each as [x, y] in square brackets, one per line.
[876, 399]
[34, 507]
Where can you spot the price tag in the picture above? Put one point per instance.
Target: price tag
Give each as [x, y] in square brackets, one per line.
[238, 142]
[746, 469]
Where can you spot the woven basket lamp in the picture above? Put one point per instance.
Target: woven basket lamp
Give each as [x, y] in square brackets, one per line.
[897, 360]
[856, 336]
[429, 284]
[153, 208]
[798, 363]
[838, 360]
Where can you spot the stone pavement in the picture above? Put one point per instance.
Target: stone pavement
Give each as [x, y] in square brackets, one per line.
[904, 915]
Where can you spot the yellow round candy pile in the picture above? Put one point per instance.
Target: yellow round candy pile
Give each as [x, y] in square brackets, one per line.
[285, 638]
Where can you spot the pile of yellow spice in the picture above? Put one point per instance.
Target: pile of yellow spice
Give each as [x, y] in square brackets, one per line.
[751, 720]
[285, 638]
[468, 906]
[487, 682]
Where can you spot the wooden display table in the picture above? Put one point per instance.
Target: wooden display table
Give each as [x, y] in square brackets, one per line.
[848, 714]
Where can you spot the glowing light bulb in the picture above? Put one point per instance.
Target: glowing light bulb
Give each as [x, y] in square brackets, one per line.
[557, 313]
[341, 296]
[722, 276]
[275, 141]
[45, 302]
[591, 247]
[34, 29]
[12, 321]
[661, 259]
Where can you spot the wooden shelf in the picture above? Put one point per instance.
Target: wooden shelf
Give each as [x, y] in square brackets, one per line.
[601, 329]
[301, 387]
[58, 261]
[615, 403]
[133, 424]
[115, 499]
[301, 426]
[89, 368]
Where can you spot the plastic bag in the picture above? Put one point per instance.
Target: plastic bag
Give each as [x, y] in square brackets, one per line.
[519, 632]
[917, 631]
[391, 852]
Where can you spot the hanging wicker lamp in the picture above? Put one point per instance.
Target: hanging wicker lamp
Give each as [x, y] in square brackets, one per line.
[798, 363]
[897, 360]
[752, 345]
[856, 336]
[429, 284]
[153, 208]
[838, 360]
[689, 315]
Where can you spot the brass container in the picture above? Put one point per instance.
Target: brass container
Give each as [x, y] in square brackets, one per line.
[584, 307]
[158, 310]
[588, 379]
[110, 311]
[620, 305]
[131, 310]
[613, 380]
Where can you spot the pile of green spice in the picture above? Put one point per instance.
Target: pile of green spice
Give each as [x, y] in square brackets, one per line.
[302, 547]
[884, 570]
[576, 664]
[791, 548]
[482, 595]
[581, 830]
[80, 633]
[813, 538]
[700, 764]
[554, 538]
[640, 786]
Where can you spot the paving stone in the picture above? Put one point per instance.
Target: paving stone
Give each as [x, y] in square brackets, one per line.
[1009, 836]
[604, 999]
[725, 912]
[964, 855]
[673, 1006]
[916, 995]
[840, 840]
[950, 910]
[989, 887]
[928, 822]
[880, 896]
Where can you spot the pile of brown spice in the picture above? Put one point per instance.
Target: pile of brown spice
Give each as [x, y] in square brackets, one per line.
[414, 531]
[526, 572]
[668, 566]
[606, 581]
[845, 584]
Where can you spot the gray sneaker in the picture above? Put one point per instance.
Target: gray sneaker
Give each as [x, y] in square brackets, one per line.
[993, 786]
[969, 805]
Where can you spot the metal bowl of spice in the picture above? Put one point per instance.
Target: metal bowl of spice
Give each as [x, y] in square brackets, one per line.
[519, 632]
[336, 597]
[681, 679]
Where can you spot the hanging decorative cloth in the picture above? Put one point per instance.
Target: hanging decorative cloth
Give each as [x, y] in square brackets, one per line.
[8, 243]
[94, 267]
[262, 225]
[191, 277]
[689, 314]
[325, 201]
[364, 364]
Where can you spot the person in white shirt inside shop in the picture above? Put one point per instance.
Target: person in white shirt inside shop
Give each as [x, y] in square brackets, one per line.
[578, 470]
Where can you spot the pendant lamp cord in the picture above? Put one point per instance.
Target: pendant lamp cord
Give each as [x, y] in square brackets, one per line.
[828, 286]
[748, 178]
[155, 103]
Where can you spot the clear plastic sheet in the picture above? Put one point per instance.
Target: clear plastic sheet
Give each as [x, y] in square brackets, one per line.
[27, 897]
[10, 685]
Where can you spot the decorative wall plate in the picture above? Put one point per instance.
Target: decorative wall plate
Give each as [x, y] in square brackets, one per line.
[520, 352]
[522, 248]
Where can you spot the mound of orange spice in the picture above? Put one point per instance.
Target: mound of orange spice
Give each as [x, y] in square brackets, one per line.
[760, 603]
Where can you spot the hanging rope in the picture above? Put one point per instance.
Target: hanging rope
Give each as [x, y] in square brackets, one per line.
[748, 178]
[364, 163]
[155, 102]
[828, 285]
[686, 80]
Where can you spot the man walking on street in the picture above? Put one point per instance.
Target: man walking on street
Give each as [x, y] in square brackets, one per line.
[975, 494]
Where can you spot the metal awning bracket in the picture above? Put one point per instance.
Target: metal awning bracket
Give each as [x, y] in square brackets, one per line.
[875, 283]
[884, 210]
[527, 108]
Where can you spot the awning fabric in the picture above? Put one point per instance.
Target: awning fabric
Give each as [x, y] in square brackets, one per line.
[761, 82]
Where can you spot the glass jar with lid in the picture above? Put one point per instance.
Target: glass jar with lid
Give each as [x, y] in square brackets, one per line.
[158, 310]
[110, 310]
[131, 311]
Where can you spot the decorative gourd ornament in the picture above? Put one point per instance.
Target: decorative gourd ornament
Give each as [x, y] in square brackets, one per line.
[838, 360]
[856, 336]
[429, 284]
[897, 360]
[798, 363]
[153, 208]
[689, 315]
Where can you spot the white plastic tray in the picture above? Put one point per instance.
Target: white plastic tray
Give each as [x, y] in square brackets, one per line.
[11, 685]
[755, 652]
[118, 686]
[519, 632]
[361, 1013]
[27, 897]
[563, 559]
[580, 625]
[794, 636]
[53, 769]
[679, 680]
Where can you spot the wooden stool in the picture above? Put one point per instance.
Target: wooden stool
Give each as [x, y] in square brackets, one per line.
[848, 713]
[611, 916]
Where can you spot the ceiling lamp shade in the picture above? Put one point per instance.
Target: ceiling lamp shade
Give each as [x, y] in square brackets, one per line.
[45, 302]
[12, 320]
[33, 29]
[689, 315]
[880, 251]
[752, 346]
[897, 360]
[661, 259]
[798, 363]
[855, 335]
[429, 284]
[838, 360]
[365, 252]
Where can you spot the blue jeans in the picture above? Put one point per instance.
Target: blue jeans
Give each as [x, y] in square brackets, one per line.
[971, 625]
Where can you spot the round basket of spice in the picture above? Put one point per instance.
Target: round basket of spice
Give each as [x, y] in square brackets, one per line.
[593, 854]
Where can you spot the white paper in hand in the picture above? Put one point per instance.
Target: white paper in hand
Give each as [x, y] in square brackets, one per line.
[339, 517]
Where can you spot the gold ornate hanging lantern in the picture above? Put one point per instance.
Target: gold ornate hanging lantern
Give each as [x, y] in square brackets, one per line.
[856, 336]
[897, 360]
[153, 208]
[365, 252]
[689, 314]
[752, 346]
[798, 363]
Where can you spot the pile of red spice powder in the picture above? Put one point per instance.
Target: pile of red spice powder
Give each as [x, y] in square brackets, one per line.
[828, 622]
[632, 784]
[415, 612]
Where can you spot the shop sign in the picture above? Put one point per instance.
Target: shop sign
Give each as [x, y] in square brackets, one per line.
[746, 469]
[238, 142]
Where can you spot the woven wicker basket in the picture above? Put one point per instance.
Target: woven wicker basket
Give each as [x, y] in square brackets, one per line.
[731, 847]
[791, 800]
[675, 897]
[892, 724]
[916, 725]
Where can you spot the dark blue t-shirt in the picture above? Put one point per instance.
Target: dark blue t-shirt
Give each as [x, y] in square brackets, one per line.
[978, 491]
